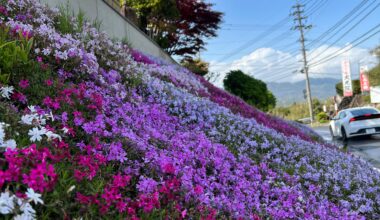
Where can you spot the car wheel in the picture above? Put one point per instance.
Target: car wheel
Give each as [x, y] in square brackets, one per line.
[332, 133]
[344, 135]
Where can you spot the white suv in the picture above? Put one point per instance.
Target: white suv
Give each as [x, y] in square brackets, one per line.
[355, 122]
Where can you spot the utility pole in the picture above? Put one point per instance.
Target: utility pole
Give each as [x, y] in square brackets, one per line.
[301, 27]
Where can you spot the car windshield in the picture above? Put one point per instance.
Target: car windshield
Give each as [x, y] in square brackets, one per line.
[363, 111]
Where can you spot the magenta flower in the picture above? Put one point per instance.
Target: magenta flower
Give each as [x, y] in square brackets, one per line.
[49, 82]
[169, 168]
[41, 178]
[24, 83]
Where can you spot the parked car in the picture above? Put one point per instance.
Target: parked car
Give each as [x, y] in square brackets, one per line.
[355, 122]
[304, 120]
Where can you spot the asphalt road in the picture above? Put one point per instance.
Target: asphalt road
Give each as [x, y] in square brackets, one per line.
[366, 147]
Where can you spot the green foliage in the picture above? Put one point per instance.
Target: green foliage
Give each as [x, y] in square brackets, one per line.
[322, 117]
[196, 66]
[64, 23]
[355, 87]
[298, 110]
[125, 41]
[374, 76]
[376, 52]
[292, 112]
[251, 90]
[13, 53]
[179, 27]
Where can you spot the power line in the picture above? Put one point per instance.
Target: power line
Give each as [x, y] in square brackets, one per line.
[324, 4]
[348, 31]
[315, 7]
[340, 22]
[271, 30]
[274, 41]
[283, 75]
[349, 47]
[255, 39]
[339, 52]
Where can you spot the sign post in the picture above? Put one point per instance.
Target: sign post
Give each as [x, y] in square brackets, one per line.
[346, 78]
[364, 81]
[375, 94]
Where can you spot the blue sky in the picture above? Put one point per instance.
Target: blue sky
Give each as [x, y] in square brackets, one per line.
[245, 20]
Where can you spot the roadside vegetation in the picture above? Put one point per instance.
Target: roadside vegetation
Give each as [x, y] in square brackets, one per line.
[298, 111]
[90, 127]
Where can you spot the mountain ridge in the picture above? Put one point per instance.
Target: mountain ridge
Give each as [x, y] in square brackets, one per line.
[289, 92]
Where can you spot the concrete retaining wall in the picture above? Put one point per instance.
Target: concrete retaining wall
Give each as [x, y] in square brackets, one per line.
[114, 24]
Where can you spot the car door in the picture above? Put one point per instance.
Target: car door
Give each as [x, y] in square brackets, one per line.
[340, 122]
[337, 123]
[333, 124]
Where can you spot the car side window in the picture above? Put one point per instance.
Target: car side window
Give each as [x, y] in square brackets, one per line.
[342, 115]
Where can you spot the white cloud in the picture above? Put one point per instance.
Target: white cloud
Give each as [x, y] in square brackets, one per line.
[269, 64]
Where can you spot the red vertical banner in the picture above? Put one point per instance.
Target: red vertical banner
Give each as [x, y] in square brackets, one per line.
[364, 81]
[346, 78]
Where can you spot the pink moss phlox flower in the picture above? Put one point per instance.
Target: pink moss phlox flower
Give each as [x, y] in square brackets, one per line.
[198, 189]
[39, 59]
[168, 168]
[111, 195]
[3, 10]
[148, 202]
[88, 166]
[24, 83]
[120, 181]
[41, 178]
[51, 103]
[19, 97]
[49, 82]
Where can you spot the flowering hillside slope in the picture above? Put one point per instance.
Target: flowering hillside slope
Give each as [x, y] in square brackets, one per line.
[91, 128]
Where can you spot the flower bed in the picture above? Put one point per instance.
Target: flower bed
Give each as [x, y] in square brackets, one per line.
[92, 128]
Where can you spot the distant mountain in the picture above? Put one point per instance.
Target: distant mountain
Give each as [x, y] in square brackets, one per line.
[288, 93]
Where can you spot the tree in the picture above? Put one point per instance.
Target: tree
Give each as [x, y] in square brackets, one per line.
[376, 52]
[179, 26]
[196, 66]
[355, 87]
[251, 90]
[374, 76]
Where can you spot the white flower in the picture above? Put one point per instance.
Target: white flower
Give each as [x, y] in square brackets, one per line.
[36, 134]
[46, 51]
[35, 197]
[6, 91]
[24, 216]
[28, 119]
[27, 209]
[52, 135]
[51, 116]
[65, 130]
[2, 134]
[9, 144]
[32, 108]
[71, 189]
[6, 203]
